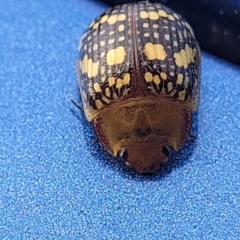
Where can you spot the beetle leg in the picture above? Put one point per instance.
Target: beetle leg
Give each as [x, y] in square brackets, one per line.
[76, 105]
[192, 136]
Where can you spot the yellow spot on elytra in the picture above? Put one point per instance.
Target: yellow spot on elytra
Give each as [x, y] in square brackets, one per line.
[102, 43]
[121, 17]
[102, 32]
[95, 26]
[103, 79]
[107, 92]
[162, 13]
[167, 37]
[97, 87]
[119, 83]
[99, 104]
[153, 15]
[103, 19]
[154, 51]
[169, 86]
[126, 79]
[122, 38]
[156, 35]
[175, 43]
[145, 25]
[184, 57]
[143, 14]
[92, 68]
[146, 34]
[111, 33]
[170, 17]
[110, 41]
[116, 56]
[111, 81]
[112, 19]
[176, 16]
[95, 46]
[89, 67]
[102, 54]
[181, 95]
[156, 79]
[179, 78]
[106, 100]
[84, 64]
[148, 76]
[155, 25]
[121, 28]
[163, 75]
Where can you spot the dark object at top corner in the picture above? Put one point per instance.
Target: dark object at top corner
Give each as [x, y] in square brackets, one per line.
[216, 23]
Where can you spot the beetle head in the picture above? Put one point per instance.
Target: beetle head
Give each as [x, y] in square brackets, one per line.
[145, 159]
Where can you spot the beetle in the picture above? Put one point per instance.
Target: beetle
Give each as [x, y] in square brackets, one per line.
[139, 71]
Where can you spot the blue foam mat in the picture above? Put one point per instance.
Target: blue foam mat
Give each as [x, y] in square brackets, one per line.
[56, 183]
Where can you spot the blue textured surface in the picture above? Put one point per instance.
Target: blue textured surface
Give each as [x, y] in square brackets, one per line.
[56, 183]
